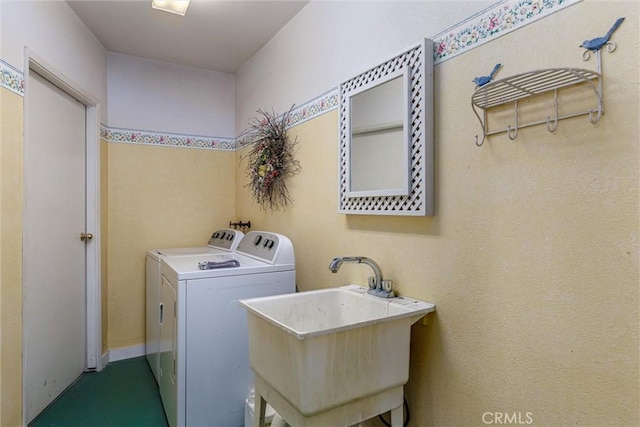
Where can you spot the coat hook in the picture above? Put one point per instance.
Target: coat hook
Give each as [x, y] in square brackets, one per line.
[553, 128]
[515, 128]
[482, 141]
[597, 119]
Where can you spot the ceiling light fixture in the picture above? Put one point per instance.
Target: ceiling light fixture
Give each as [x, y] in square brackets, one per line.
[178, 7]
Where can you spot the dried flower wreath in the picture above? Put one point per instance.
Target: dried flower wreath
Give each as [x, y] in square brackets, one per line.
[271, 160]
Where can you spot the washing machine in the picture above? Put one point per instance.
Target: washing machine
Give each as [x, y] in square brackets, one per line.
[221, 241]
[204, 373]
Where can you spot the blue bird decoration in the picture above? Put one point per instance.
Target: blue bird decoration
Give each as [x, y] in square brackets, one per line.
[483, 80]
[599, 42]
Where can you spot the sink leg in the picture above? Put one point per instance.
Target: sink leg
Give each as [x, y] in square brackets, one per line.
[396, 417]
[259, 410]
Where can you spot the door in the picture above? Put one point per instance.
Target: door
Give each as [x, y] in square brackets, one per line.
[54, 256]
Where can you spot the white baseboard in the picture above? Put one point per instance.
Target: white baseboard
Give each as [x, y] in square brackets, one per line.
[105, 360]
[124, 353]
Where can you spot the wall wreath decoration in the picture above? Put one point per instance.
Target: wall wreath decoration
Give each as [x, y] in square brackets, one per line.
[271, 160]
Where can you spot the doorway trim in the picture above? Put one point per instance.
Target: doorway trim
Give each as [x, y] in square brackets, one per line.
[33, 62]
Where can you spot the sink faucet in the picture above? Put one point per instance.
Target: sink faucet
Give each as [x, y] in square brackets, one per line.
[378, 287]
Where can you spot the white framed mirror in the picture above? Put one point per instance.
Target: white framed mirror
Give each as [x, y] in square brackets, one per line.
[386, 137]
[379, 143]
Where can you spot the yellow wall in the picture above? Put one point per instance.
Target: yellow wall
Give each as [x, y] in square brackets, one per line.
[104, 241]
[159, 197]
[11, 192]
[10, 258]
[532, 256]
[151, 197]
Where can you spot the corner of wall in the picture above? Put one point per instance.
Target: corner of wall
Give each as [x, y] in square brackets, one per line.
[11, 131]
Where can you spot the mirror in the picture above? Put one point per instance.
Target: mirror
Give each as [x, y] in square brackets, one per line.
[385, 156]
[379, 141]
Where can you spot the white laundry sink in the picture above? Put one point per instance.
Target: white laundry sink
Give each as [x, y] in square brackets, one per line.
[319, 350]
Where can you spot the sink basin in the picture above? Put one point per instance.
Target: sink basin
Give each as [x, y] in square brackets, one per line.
[320, 351]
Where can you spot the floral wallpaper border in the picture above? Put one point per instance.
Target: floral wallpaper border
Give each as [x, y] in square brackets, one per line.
[134, 136]
[326, 102]
[320, 105]
[11, 78]
[495, 21]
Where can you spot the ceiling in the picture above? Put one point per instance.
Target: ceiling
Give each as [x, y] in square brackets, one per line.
[218, 35]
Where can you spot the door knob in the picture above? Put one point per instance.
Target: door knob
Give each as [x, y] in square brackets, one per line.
[85, 237]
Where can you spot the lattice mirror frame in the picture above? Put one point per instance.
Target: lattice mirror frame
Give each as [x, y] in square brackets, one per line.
[419, 59]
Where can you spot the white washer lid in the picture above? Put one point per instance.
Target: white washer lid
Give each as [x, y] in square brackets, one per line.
[198, 250]
[158, 254]
[186, 268]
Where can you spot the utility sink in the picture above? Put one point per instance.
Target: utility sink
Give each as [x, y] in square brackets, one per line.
[332, 356]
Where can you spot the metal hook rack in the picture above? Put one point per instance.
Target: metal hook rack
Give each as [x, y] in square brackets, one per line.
[522, 86]
[243, 226]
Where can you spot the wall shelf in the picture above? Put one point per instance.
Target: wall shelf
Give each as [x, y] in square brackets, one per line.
[382, 127]
[533, 83]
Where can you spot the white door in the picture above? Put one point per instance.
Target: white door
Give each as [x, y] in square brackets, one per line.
[54, 256]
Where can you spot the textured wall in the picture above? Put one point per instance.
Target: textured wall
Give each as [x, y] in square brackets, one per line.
[162, 97]
[10, 258]
[56, 35]
[532, 257]
[104, 241]
[159, 197]
[328, 42]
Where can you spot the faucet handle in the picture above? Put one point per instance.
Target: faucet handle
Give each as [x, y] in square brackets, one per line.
[387, 285]
[383, 291]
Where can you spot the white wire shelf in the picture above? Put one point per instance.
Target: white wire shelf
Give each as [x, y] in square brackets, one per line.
[529, 84]
[526, 85]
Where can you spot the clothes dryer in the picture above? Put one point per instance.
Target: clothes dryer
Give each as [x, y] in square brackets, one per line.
[221, 242]
[205, 374]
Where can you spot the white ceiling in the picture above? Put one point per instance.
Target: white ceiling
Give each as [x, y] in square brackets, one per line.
[218, 35]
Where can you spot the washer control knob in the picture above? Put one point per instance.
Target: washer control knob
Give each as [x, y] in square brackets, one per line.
[257, 240]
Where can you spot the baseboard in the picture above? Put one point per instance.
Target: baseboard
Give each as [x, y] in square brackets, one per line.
[125, 353]
[105, 360]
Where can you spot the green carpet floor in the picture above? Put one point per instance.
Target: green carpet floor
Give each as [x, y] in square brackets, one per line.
[123, 394]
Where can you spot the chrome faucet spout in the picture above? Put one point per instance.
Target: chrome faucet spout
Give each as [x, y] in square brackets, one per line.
[335, 265]
[377, 286]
